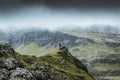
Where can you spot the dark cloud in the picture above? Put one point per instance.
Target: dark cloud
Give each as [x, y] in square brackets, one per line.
[6, 4]
[52, 13]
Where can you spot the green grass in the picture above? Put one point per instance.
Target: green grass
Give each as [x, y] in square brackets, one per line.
[112, 78]
[91, 51]
[105, 67]
[34, 49]
[88, 51]
[60, 66]
[97, 36]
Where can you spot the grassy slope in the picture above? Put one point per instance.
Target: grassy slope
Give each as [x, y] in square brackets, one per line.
[58, 66]
[112, 77]
[97, 36]
[34, 49]
[89, 52]
[105, 67]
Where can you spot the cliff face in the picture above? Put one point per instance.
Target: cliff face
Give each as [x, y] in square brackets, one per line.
[58, 65]
[43, 38]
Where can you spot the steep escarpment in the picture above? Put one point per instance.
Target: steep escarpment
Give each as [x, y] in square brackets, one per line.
[45, 37]
[57, 65]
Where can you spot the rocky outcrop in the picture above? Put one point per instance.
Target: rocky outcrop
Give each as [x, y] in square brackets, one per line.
[6, 66]
[13, 69]
[4, 74]
[17, 67]
[6, 50]
[40, 72]
[113, 44]
[21, 74]
[11, 63]
[67, 55]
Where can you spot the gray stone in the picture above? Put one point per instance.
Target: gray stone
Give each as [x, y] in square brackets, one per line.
[21, 74]
[4, 74]
[10, 63]
[40, 72]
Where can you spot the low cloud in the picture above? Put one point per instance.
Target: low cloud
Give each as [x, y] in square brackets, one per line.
[42, 17]
[7, 4]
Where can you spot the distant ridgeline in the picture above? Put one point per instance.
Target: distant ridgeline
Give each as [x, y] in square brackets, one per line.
[43, 38]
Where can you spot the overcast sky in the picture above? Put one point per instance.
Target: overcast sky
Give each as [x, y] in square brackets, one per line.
[53, 14]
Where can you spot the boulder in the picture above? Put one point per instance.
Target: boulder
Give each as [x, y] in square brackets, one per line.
[4, 74]
[12, 63]
[21, 74]
[40, 72]
[2, 53]
[2, 64]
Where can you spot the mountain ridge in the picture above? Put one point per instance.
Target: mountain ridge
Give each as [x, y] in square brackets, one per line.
[48, 67]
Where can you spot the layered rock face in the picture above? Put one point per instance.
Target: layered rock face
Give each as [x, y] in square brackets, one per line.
[43, 38]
